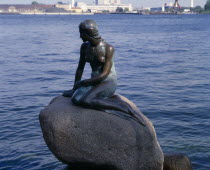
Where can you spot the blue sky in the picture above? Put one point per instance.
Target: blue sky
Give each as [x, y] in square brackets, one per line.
[136, 3]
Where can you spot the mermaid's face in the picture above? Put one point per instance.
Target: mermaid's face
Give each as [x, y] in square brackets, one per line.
[84, 35]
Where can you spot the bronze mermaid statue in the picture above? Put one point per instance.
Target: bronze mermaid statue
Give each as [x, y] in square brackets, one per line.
[98, 92]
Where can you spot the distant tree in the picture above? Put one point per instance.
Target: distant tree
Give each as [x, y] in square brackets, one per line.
[105, 11]
[126, 9]
[207, 5]
[197, 9]
[119, 9]
[34, 3]
[169, 9]
[60, 2]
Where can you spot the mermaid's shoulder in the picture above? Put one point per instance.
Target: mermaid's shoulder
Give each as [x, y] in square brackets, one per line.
[110, 51]
[85, 45]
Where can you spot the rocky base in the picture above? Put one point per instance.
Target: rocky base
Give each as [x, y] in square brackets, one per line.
[86, 138]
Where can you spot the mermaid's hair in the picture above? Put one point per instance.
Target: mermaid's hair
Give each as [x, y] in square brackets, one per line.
[90, 28]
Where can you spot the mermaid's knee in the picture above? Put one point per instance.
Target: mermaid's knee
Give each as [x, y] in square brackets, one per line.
[75, 101]
[86, 102]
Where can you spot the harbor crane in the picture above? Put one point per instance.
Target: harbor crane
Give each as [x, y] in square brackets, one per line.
[176, 4]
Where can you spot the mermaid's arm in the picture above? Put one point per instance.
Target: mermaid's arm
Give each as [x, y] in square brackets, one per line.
[81, 65]
[79, 72]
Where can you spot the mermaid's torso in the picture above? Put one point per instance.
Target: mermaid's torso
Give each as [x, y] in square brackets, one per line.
[96, 56]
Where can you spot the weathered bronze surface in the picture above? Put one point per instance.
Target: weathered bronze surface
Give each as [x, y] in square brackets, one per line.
[98, 92]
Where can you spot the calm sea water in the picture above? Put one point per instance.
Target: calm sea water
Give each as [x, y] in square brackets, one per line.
[163, 65]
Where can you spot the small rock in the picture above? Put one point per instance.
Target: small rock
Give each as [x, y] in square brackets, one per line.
[177, 162]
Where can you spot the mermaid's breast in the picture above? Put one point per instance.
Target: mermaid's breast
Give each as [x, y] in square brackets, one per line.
[112, 75]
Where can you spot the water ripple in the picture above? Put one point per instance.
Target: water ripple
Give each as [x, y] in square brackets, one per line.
[164, 58]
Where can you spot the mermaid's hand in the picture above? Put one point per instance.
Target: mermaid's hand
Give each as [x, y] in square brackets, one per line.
[78, 84]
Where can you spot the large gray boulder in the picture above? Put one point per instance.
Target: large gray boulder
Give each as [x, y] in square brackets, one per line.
[84, 137]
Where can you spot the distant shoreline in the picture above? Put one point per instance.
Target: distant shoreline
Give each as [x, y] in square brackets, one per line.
[42, 13]
[56, 13]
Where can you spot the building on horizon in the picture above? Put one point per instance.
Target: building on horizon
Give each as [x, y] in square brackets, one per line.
[104, 5]
[107, 2]
[77, 7]
[18, 8]
[64, 6]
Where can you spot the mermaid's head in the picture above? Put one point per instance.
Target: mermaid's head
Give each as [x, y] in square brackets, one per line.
[89, 28]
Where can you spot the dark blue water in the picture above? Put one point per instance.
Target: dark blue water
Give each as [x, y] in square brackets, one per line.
[163, 65]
